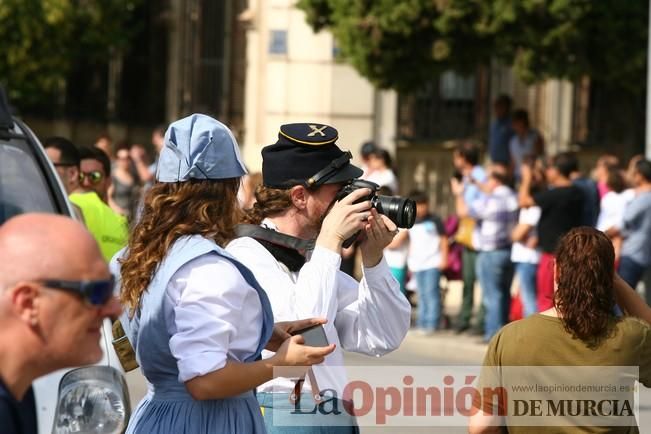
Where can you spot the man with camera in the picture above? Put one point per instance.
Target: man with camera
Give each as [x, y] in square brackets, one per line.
[306, 210]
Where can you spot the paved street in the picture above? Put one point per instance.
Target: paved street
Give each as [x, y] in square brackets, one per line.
[445, 348]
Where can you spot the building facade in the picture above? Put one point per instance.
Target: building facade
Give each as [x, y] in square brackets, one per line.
[188, 56]
[294, 75]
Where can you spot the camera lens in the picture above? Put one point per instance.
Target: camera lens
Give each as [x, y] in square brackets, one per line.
[400, 210]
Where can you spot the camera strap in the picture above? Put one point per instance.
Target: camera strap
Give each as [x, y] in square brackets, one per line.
[284, 248]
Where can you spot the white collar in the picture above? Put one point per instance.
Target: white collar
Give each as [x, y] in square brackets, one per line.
[266, 223]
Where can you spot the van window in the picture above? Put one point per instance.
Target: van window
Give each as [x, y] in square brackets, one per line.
[23, 187]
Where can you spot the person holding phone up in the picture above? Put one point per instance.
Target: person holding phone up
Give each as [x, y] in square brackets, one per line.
[295, 234]
[196, 317]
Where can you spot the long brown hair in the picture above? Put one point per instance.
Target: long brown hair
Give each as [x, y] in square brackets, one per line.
[171, 210]
[269, 202]
[585, 298]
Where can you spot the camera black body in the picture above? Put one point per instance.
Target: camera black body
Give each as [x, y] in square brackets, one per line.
[400, 210]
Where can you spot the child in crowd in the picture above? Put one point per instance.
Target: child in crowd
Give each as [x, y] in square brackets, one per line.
[605, 164]
[396, 253]
[524, 252]
[427, 258]
[613, 205]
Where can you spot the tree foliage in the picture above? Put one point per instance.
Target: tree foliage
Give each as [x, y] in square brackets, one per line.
[402, 43]
[41, 41]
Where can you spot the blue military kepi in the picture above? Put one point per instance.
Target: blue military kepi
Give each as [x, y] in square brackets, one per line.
[199, 147]
[306, 154]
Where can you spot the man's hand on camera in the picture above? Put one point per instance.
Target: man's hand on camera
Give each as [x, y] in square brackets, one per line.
[379, 232]
[344, 220]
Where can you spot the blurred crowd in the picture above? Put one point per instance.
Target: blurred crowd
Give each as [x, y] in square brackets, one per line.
[514, 210]
[511, 208]
[509, 215]
[131, 171]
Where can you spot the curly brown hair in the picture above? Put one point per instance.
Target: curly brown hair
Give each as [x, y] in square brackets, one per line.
[269, 202]
[171, 210]
[585, 298]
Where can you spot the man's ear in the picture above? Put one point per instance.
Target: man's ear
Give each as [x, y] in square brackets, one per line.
[298, 194]
[73, 173]
[24, 301]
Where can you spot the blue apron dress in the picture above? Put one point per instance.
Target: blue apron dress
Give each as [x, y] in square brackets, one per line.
[168, 408]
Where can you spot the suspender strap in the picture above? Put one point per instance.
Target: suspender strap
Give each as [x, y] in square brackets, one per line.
[295, 396]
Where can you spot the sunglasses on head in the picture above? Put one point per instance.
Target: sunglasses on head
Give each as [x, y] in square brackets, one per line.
[94, 177]
[94, 292]
[63, 164]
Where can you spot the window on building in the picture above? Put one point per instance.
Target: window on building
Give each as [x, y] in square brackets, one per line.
[278, 42]
[608, 118]
[455, 87]
[445, 108]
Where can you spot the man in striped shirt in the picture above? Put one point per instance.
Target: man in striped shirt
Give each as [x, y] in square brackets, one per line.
[496, 212]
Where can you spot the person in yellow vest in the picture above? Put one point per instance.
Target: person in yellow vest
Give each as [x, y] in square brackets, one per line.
[108, 228]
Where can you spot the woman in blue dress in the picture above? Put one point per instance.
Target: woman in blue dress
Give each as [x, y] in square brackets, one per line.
[195, 316]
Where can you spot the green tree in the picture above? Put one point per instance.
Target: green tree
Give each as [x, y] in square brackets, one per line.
[42, 40]
[402, 43]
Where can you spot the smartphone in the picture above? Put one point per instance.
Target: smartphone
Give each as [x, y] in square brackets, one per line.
[314, 336]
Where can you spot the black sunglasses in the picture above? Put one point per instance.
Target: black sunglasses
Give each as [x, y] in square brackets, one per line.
[95, 292]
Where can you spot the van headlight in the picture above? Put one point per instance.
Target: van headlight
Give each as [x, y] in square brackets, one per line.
[93, 400]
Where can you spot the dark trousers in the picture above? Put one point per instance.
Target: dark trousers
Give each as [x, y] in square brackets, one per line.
[469, 275]
[631, 271]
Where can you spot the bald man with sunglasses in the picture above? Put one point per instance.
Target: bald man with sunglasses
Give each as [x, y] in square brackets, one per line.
[55, 291]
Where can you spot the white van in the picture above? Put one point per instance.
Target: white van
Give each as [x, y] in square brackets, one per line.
[92, 399]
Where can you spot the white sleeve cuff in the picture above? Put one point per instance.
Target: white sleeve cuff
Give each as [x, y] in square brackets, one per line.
[379, 271]
[200, 364]
[325, 257]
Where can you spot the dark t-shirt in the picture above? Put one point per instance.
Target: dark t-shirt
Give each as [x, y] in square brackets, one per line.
[561, 210]
[17, 417]
[590, 200]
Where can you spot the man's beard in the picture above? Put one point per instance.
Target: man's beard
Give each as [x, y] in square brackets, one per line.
[316, 223]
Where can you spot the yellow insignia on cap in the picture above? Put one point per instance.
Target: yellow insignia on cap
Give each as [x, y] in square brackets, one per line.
[310, 134]
[317, 130]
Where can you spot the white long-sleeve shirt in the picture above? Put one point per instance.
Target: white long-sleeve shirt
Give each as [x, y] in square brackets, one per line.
[212, 314]
[370, 317]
